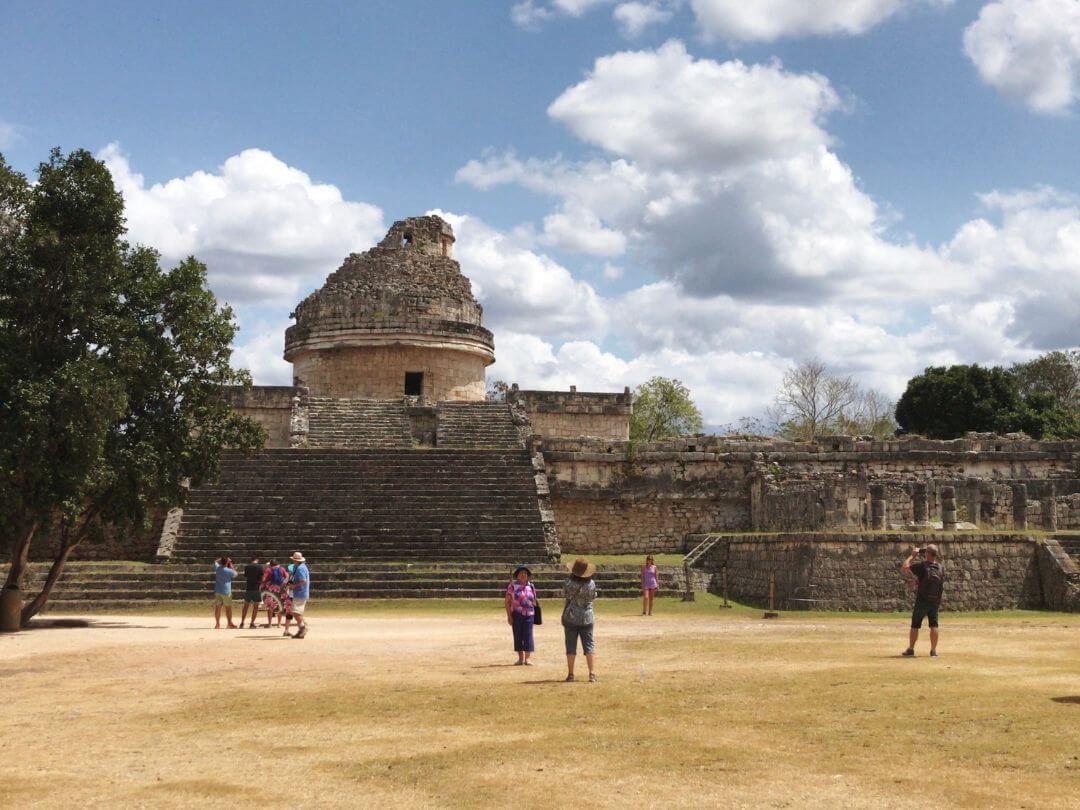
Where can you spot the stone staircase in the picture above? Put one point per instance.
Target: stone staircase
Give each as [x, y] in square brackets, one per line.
[357, 423]
[104, 586]
[476, 424]
[1070, 544]
[374, 504]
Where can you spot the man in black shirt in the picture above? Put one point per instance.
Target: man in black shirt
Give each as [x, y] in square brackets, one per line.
[253, 574]
[931, 576]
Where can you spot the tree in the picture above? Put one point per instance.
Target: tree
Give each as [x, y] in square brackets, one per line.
[811, 402]
[945, 403]
[870, 415]
[112, 371]
[663, 408]
[1054, 373]
[497, 391]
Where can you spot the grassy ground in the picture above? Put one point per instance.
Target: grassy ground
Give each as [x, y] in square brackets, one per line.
[413, 704]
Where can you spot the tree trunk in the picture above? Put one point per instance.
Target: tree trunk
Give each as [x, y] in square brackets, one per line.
[20, 555]
[69, 540]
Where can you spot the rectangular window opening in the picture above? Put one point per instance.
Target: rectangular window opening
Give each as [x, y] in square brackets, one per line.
[414, 383]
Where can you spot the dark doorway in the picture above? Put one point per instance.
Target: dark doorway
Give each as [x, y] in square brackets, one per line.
[414, 383]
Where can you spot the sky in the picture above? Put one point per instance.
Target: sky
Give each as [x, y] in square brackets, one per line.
[713, 190]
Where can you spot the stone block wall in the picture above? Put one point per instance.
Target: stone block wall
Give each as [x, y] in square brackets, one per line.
[270, 406]
[575, 413]
[641, 525]
[862, 573]
[378, 372]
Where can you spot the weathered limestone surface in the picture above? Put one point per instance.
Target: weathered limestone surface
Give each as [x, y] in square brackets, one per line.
[269, 405]
[403, 306]
[852, 572]
[576, 413]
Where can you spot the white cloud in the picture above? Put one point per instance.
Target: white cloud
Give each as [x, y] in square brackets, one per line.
[531, 14]
[521, 289]
[768, 250]
[1029, 50]
[260, 352]
[635, 18]
[265, 230]
[9, 135]
[769, 20]
[664, 107]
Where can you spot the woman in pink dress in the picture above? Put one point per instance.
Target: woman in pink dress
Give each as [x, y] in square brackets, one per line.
[650, 581]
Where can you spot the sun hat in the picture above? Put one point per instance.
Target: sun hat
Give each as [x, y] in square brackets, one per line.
[297, 557]
[581, 568]
[521, 568]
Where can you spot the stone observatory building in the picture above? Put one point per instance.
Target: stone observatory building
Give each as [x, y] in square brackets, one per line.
[399, 320]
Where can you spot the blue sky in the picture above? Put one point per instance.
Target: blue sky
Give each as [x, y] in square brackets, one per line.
[730, 191]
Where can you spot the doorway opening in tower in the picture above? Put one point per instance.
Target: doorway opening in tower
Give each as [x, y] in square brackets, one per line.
[414, 383]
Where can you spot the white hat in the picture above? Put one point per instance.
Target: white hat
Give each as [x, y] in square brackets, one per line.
[297, 557]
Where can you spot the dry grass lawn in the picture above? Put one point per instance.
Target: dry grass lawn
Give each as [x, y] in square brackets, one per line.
[414, 705]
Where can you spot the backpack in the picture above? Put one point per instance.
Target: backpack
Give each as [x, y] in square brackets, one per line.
[277, 575]
[933, 583]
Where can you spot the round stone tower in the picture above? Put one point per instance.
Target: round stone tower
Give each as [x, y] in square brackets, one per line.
[397, 320]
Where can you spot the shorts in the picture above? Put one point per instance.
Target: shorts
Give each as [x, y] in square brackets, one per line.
[924, 608]
[222, 600]
[573, 633]
[252, 597]
[297, 607]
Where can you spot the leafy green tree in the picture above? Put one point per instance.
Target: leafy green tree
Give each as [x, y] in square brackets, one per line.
[663, 408]
[945, 403]
[113, 372]
[1051, 385]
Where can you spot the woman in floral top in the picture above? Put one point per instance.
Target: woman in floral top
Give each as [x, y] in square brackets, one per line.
[520, 612]
[578, 617]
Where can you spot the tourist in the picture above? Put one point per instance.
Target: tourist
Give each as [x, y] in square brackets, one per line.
[300, 585]
[930, 574]
[520, 613]
[650, 581]
[273, 592]
[577, 617]
[224, 572]
[253, 577]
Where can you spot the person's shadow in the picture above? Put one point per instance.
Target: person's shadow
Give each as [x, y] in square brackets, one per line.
[1067, 699]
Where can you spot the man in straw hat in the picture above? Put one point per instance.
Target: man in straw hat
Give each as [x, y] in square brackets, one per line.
[301, 587]
[931, 576]
[578, 617]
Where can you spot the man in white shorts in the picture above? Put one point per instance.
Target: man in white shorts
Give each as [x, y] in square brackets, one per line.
[301, 587]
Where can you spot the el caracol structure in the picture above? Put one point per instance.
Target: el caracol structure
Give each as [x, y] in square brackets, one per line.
[388, 466]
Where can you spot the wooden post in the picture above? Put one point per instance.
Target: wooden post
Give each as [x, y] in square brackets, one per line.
[771, 612]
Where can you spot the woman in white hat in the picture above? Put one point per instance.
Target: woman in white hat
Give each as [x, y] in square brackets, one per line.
[578, 617]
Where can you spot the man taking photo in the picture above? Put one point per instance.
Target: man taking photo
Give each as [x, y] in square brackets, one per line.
[931, 581]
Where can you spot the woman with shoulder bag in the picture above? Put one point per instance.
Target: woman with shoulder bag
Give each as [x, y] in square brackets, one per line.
[521, 613]
[578, 618]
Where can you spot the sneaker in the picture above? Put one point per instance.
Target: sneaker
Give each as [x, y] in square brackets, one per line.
[933, 653]
[528, 663]
[519, 663]
[592, 677]
[302, 633]
[569, 678]
[908, 653]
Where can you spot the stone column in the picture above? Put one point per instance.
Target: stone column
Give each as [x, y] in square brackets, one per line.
[1019, 506]
[877, 507]
[920, 513]
[1049, 508]
[948, 509]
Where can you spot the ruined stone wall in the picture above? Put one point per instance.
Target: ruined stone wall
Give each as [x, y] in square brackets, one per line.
[852, 572]
[781, 486]
[576, 413]
[641, 525]
[378, 372]
[270, 406]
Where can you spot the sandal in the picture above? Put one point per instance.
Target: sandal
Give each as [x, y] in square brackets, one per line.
[569, 678]
[592, 677]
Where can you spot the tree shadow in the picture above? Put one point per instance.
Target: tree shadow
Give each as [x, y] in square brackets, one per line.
[85, 624]
[1067, 699]
[494, 666]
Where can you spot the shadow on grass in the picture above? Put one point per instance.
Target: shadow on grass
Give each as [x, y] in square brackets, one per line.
[1075, 699]
[543, 681]
[85, 624]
